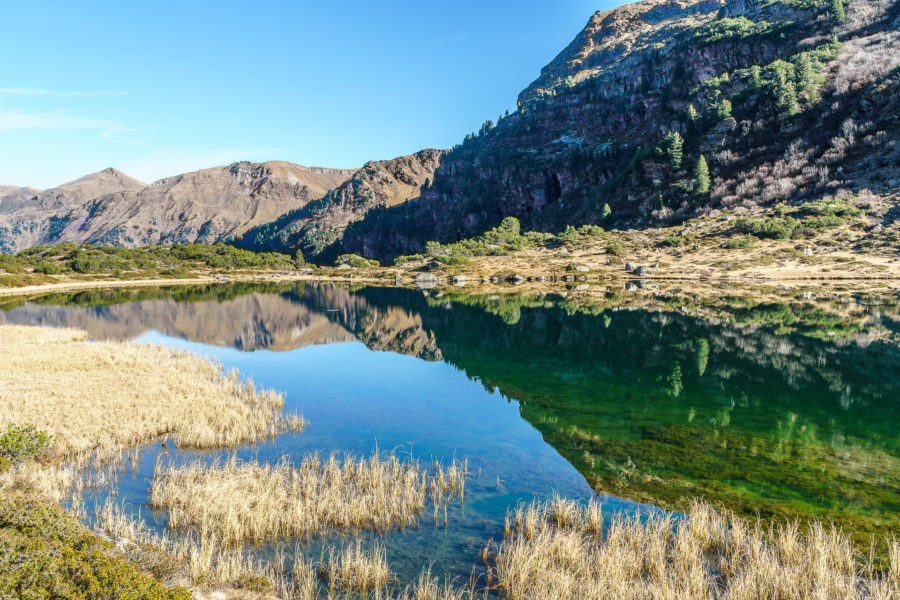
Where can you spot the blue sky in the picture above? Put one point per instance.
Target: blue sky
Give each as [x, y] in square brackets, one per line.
[159, 88]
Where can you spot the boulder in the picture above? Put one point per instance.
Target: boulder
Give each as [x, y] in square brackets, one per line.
[426, 281]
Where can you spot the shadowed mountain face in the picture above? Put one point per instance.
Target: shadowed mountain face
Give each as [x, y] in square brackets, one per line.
[781, 99]
[205, 206]
[317, 228]
[775, 409]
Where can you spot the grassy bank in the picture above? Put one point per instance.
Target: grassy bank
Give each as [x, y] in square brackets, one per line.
[104, 397]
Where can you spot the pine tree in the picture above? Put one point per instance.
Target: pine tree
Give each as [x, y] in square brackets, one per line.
[804, 76]
[674, 145]
[693, 115]
[756, 77]
[837, 9]
[723, 109]
[701, 176]
[786, 95]
[605, 211]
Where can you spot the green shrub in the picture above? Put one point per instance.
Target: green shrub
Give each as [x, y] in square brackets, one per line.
[616, 249]
[356, 261]
[567, 235]
[676, 241]
[740, 243]
[825, 222]
[48, 268]
[592, 231]
[45, 553]
[779, 228]
[22, 442]
[405, 258]
[456, 258]
[833, 209]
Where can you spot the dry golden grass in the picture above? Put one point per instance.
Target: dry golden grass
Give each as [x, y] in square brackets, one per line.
[563, 550]
[356, 570]
[248, 501]
[207, 562]
[106, 396]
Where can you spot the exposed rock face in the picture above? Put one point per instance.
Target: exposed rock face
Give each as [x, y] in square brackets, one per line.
[317, 227]
[805, 118]
[204, 206]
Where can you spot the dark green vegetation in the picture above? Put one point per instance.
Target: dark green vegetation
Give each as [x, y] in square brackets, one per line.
[813, 218]
[181, 260]
[22, 442]
[498, 241]
[45, 553]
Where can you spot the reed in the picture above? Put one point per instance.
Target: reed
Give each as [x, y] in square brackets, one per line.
[564, 550]
[356, 570]
[206, 562]
[102, 397]
[250, 501]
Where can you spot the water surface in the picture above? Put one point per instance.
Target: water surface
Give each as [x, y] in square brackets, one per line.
[778, 408]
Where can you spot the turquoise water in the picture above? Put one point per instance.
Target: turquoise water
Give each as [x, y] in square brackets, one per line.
[779, 409]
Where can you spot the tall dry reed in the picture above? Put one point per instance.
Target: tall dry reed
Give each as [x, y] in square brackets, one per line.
[205, 561]
[564, 550]
[249, 501]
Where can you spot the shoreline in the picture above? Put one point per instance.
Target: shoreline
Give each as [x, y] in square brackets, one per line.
[388, 277]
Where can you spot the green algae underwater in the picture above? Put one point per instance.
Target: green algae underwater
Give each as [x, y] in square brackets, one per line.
[784, 407]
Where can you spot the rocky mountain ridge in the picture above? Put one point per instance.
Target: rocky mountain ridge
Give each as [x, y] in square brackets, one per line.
[784, 100]
[210, 205]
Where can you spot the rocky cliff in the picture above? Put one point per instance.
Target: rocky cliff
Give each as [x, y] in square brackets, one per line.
[784, 100]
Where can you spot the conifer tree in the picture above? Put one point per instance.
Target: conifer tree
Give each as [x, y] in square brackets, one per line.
[786, 95]
[804, 76]
[674, 145]
[837, 9]
[701, 176]
[723, 109]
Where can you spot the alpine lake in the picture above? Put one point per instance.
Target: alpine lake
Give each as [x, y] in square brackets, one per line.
[780, 403]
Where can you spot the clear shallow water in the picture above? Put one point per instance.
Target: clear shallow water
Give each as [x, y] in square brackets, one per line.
[781, 409]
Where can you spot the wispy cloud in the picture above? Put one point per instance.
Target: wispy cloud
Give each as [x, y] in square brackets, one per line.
[110, 131]
[61, 94]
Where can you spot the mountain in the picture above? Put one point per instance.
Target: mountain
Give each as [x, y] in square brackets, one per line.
[27, 221]
[377, 185]
[655, 113]
[784, 100]
[204, 206]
